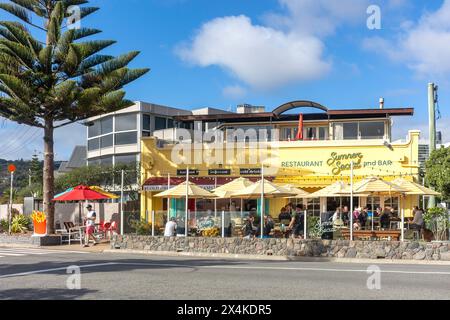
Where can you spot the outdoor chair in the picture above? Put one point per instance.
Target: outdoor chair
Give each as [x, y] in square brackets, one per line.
[71, 232]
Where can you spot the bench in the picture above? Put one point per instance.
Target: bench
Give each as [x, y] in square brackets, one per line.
[369, 234]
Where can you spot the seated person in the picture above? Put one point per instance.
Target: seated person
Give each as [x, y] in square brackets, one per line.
[268, 226]
[356, 225]
[363, 217]
[284, 215]
[417, 222]
[385, 219]
[249, 228]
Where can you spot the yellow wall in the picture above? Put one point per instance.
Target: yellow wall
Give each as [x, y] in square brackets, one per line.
[305, 164]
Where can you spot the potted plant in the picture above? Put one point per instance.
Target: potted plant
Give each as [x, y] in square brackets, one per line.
[39, 222]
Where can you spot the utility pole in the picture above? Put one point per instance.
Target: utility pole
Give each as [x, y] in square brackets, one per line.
[121, 201]
[432, 97]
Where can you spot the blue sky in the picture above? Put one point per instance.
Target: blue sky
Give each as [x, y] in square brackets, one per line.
[223, 53]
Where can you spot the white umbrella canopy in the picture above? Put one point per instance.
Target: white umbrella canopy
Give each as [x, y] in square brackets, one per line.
[271, 190]
[229, 189]
[333, 190]
[300, 193]
[378, 186]
[415, 188]
[179, 191]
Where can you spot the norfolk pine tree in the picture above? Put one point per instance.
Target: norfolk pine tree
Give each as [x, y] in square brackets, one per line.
[59, 79]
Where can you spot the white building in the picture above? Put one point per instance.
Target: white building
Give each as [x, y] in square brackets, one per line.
[115, 137]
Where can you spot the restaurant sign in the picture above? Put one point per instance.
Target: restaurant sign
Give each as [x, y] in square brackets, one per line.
[219, 172]
[192, 172]
[250, 171]
[342, 162]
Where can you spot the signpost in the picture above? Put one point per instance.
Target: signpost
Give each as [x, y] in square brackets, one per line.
[11, 169]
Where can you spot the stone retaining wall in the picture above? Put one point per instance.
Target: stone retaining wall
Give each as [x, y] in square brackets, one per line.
[15, 239]
[288, 247]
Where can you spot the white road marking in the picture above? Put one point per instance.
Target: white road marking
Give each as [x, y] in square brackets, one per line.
[21, 274]
[225, 267]
[20, 252]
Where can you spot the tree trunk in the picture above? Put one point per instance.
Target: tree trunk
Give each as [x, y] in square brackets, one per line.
[49, 205]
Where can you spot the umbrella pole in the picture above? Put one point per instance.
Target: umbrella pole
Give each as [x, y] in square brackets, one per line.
[215, 200]
[187, 204]
[402, 224]
[168, 198]
[262, 201]
[242, 209]
[373, 211]
[351, 201]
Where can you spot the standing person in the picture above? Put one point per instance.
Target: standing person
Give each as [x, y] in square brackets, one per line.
[90, 218]
[297, 222]
[171, 228]
[249, 229]
[385, 219]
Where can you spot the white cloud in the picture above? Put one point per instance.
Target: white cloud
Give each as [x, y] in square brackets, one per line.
[424, 46]
[234, 92]
[318, 17]
[403, 124]
[259, 56]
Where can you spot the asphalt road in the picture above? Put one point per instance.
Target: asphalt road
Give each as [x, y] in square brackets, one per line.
[42, 274]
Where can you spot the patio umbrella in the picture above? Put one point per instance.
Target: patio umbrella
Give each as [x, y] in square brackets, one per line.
[187, 190]
[80, 193]
[300, 193]
[376, 186]
[271, 190]
[106, 193]
[330, 191]
[415, 188]
[227, 190]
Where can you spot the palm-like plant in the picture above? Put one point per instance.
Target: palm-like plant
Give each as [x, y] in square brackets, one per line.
[60, 79]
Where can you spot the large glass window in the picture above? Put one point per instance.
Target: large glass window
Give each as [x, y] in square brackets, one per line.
[371, 130]
[323, 133]
[107, 161]
[126, 138]
[125, 122]
[350, 130]
[93, 144]
[94, 129]
[107, 125]
[170, 123]
[160, 123]
[94, 162]
[126, 158]
[146, 122]
[106, 141]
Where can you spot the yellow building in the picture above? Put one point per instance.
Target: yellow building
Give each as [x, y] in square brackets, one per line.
[231, 145]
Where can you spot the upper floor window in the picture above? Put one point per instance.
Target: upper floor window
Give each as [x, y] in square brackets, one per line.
[359, 130]
[146, 122]
[126, 122]
[160, 123]
[106, 125]
[94, 129]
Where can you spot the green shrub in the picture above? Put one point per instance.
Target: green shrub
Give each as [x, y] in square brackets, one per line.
[142, 227]
[437, 220]
[20, 223]
[4, 225]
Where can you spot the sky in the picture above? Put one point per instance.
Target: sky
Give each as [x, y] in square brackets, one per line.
[223, 53]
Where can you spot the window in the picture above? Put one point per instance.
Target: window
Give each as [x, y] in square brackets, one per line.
[126, 158]
[313, 207]
[93, 144]
[106, 125]
[160, 123]
[106, 160]
[126, 122]
[94, 162]
[94, 129]
[106, 141]
[371, 130]
[126, 138]
[146, 122]
[146, 133]
[350, 130]
[310, 133]
[170, 123]
[323, 133]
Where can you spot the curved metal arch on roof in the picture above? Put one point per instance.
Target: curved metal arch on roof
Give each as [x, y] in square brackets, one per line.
[296, 104]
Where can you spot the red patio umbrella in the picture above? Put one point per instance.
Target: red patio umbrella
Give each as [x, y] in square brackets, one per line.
[81, 193]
